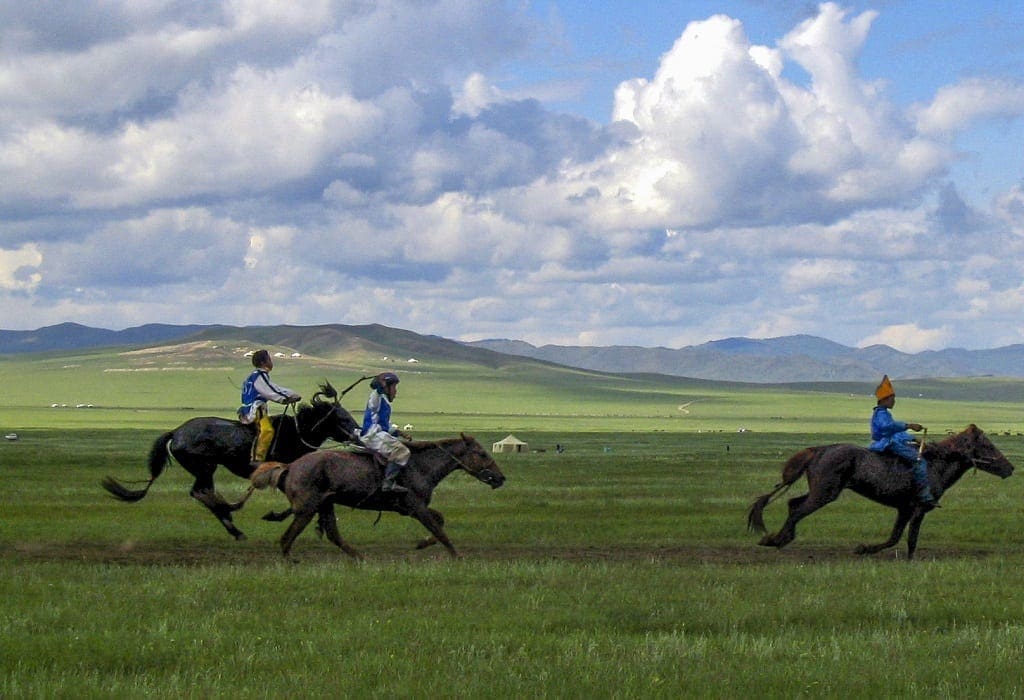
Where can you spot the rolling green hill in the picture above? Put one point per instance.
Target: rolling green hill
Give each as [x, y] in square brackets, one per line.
[447, 387]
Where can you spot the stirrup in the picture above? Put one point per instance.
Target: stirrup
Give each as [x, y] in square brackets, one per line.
[389, 486]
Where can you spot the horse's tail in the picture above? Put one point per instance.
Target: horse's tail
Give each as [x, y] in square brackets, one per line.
[158, 457]
[793, 469]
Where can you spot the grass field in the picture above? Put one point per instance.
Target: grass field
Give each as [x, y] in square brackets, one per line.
[619, 568]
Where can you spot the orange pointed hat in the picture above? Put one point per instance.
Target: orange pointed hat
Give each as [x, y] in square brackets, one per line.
[884, 389]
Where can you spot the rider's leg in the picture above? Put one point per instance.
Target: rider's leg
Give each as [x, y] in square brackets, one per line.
[920, 471]
[390, 474]
[924, 491]
[398, 456]
[264, 436]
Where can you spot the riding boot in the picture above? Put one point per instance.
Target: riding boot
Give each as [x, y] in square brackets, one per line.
[390, 474]
[924, 491]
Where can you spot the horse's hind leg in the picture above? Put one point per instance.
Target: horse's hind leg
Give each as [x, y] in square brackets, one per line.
[277, 516]
[203, 491]
[902, 518]
[298, 524]
[799, 508]
[430, 541]
[329, 524]
[787, 533]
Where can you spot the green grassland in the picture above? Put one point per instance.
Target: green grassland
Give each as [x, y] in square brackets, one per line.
[618, 568]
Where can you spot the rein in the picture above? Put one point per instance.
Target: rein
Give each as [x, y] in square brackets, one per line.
[298, 430]
[295, 415]
[462, 465]
[277, 433]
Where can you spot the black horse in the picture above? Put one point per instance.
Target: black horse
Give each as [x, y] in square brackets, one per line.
[882, 478]
[315, 482]
[201, 444]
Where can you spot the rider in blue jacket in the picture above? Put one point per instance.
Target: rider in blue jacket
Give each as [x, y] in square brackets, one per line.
[380, 435]
[257, 390]
[890, 435]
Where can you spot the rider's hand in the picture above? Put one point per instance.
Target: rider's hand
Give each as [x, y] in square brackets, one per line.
[916, 427]
[293, 399]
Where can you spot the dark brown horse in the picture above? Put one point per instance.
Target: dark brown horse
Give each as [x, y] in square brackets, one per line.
[314, 483]
[201, 444]
[881, 477]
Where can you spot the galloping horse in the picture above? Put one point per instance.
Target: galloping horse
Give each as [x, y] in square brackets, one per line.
[201, 444]
[315, 482]
[880, 477]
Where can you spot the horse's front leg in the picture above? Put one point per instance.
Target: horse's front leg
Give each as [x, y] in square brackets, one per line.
[914, 531]
[430, 541]
[902, 518]
[426, 516]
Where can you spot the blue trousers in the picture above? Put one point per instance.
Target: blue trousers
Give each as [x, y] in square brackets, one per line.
[909, 452]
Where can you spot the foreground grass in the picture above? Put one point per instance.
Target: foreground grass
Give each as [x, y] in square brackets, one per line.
[620, 568]
[514, 629]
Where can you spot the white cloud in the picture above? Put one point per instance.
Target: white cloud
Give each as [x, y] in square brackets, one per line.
[812, 274]
[909, 337]
[957, 106]
[476, 95]
[19, 268]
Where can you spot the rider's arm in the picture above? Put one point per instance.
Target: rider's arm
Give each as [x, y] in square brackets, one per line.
[271, 392]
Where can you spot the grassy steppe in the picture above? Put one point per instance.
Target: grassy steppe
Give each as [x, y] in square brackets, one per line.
[620, 568]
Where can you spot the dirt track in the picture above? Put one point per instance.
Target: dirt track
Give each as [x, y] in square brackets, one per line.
[260, 553]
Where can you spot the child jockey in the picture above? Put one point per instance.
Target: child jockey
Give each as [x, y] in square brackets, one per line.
[379, 434]
[890, 435]
[256, 392]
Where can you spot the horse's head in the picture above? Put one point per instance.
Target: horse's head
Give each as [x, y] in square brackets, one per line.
[331, 417]
[982, 453]
[475, 460]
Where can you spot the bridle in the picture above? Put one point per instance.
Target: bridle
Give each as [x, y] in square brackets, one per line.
[461, 464]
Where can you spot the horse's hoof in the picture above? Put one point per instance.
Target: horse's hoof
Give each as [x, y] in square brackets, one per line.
[240, 537]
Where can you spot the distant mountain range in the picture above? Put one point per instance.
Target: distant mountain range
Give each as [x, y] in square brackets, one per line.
[797, 358]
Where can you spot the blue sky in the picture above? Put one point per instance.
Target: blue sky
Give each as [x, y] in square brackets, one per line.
[583, 173]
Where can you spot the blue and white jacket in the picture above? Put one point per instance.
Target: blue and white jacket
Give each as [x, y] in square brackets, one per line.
[377, 416]
[257, 390]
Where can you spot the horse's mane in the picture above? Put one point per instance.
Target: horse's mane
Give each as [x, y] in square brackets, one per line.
[422, 445]
[958, 443]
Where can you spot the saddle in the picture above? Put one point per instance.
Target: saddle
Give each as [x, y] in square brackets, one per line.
[378, 458]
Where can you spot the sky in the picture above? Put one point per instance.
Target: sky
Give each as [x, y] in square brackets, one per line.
[575, 173]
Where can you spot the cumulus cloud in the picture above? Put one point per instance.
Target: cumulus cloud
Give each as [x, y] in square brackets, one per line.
[19, 268]
[360, 162]
[956, 106]
[909, 337]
